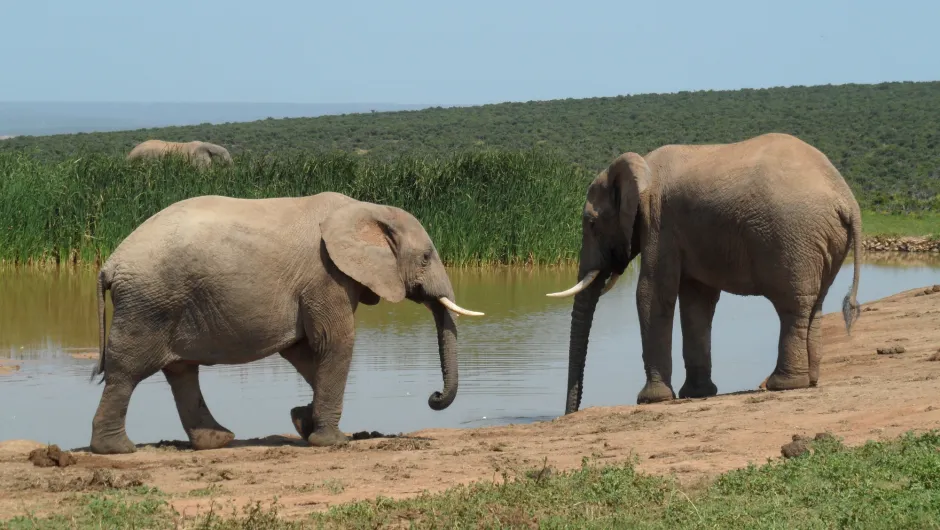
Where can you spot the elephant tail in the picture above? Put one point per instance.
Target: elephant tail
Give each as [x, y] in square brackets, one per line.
[104, 283]
[851, 310]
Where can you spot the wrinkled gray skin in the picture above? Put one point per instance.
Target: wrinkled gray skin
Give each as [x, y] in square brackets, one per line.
[202, 154]
[769, 216]
[217, 280]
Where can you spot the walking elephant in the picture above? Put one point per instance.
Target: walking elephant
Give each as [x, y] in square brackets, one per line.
[218, 280]
[202, 154]
[769, 216]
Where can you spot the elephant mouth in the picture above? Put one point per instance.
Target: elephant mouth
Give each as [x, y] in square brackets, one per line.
[619, 260]
[592, 276]
[608, 273]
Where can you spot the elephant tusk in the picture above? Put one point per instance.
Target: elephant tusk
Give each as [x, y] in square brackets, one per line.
[580, 286]
[610, 283]
[457, 309]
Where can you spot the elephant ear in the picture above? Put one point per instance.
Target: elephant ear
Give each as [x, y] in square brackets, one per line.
[360, 240]
[631, 176]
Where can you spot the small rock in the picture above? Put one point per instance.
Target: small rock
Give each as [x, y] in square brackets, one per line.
[824, 436]
[799, 446]
[891, 350]
[51, 456]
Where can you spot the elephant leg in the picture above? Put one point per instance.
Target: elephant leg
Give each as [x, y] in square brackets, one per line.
[697, 303]
[122, 375]
[301, 356]
[814, 344]
[108, 435]
[330, 349]
[656, 303]
[331, 368]
[201, 428]
[792, 369]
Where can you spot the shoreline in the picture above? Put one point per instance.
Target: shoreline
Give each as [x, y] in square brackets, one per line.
[870, 243]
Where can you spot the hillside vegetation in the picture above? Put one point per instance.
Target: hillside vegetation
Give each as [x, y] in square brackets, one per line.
[492, 184]
[884, 138]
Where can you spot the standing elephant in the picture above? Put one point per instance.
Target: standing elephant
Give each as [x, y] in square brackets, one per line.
[218, 280]
[201, 153]
[769, 216]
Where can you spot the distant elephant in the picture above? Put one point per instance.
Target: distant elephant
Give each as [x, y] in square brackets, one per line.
[218, 280]
[202, 154]
[769, 216]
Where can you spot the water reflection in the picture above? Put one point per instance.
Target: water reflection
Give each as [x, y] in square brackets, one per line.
[513, 361]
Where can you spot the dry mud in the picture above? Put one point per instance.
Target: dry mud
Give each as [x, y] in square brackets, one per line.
[863, 394]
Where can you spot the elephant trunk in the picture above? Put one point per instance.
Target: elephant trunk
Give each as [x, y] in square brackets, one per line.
[447, 346]
[582, 317]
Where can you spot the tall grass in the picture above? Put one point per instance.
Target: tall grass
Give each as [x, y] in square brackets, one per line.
[479, 208]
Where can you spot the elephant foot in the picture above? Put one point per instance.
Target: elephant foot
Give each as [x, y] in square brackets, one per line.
[302, 418]
[778, 381]
[698, 389]
[210, 438]
[327, 436]
[116, 444]
[655, 392]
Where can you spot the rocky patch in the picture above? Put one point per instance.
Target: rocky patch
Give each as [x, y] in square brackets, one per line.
[901, 244]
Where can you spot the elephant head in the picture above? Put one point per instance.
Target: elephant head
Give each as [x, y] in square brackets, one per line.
[388, 252]
[209, 153]
[612, 226]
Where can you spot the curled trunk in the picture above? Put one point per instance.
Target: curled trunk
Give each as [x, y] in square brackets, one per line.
[582, 317]
[447, 347]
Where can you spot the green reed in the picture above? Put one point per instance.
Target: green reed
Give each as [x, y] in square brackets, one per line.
[480, 208]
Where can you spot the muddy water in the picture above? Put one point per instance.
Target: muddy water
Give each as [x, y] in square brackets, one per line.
[513, 361]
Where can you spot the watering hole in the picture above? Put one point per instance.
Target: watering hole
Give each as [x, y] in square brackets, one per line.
[512, 362]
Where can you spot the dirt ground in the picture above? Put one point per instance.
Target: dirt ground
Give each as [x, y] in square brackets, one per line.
[863, 394]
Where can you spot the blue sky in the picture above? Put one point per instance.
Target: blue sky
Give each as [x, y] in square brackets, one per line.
[444, 52]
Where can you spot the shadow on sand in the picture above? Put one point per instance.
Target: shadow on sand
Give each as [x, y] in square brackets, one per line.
[275, 440]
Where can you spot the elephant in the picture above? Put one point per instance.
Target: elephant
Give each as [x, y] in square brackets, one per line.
[766, 216]
[219, 280]
[202, 154]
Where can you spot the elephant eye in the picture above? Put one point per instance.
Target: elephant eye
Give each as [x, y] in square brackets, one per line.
[426, 257]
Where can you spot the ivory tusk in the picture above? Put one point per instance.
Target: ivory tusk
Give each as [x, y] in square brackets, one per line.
[457, 309]
[610, 283]
[580, 286]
